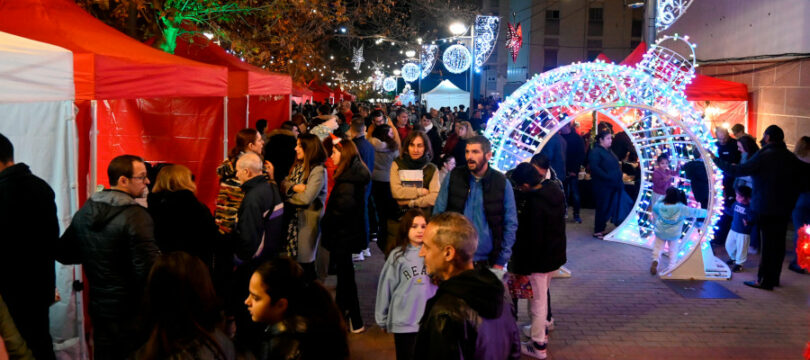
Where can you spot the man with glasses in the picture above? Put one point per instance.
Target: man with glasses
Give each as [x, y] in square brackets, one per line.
[113, 237]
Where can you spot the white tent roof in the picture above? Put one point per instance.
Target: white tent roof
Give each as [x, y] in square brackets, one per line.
[32, 71]
[446, 94]
[446, 87]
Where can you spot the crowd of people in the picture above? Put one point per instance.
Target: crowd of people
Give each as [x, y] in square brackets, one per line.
[463, 241]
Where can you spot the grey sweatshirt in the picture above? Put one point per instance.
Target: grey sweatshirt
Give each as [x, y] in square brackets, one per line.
[402, 292]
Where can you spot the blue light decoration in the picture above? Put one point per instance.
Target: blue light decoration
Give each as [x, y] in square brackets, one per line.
[428, 58]
[390, 84]
[457, 59]
[669, 11]
[648, 102]
[485, 35]
[411, 72]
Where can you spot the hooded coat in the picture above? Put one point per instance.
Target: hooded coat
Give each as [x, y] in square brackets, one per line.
[669, 219]
[113, 237]
[468, 318]
[343, 225]
[540, 242]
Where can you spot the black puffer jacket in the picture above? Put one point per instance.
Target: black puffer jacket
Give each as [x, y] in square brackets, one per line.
[468, 318]
[343, 226]
[183, 223]
[540, 242]
[259, 220]
[113, 237]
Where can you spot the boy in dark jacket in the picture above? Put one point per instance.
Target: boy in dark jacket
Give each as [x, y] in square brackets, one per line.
[540, 245]
[468, 318]
[740, 234]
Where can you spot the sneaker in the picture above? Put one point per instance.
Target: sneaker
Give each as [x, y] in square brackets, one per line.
[527, 330]
[730, 262]
[654, 267]
[577, 219]
[534, 350]
[367, 252]
[737, 268]
[358, 257]
[794, 266]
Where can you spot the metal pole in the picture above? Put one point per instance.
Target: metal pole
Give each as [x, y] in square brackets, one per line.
[472, 69]
[650, 12]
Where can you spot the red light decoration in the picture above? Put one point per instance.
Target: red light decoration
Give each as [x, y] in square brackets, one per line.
[514, 40]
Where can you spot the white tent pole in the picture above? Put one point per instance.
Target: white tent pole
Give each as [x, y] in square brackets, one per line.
[93, 148]
[225, 129]
[247, 112]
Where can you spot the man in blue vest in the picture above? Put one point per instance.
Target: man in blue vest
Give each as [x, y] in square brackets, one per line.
[486, 198]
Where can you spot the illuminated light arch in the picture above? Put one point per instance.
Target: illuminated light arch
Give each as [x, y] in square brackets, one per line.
[649, 104]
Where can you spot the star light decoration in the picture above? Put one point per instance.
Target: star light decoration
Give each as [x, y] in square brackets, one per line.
[340, 77]
[485, 34]
[669, 11]
[514, 40]
[648, 101]
[410, 72]
[457, 59]
[357, 58]
[428, 58]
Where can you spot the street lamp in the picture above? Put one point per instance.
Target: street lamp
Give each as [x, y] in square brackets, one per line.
[457, 28]
[410, 53]
[397, 72]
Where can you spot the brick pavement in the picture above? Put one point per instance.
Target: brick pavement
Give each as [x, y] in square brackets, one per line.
[611, 308]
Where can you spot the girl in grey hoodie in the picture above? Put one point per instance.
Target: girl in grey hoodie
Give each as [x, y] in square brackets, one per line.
[404, 286]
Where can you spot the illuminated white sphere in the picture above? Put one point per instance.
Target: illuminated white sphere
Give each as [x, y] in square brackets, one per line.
[457, 59]
[389, 84]
[410, 72]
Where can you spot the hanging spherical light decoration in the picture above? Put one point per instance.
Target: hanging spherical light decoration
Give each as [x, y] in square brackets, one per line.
[457, 59]
[390, 84]
[410, 72]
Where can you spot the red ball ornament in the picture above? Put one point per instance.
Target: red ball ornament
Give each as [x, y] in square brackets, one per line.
[803, 247]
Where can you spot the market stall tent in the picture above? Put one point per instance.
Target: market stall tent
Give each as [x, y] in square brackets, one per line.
[446, 94]
[36, 115]
[322, 93]
[131, 98]
[253, 93]
[301, 94]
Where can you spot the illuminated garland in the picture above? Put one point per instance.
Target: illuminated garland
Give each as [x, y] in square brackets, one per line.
[389, 84]
[648, 101]
[485, 34]
[669, 11]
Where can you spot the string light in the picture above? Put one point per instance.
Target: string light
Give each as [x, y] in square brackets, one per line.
[669, 11]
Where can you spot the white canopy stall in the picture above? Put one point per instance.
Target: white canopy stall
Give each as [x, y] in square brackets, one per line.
[36, 114]
[446, 94]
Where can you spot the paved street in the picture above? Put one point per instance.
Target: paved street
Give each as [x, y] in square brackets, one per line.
[612, 308]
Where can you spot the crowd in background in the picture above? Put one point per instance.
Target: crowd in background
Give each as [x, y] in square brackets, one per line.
[306, 200]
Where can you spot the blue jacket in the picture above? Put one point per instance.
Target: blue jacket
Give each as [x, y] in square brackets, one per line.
[743, 212]
[669, 219]
[474, 211]
[402, 291]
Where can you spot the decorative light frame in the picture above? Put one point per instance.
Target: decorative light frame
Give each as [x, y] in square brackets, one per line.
[649, 103]
[428, 58]
[357, 58]
[410, 72]
[485, 35]
[670, 11]
[389, 84]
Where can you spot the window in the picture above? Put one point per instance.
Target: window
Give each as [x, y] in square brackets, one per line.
[596, 22]
[637, 23]
[549, 59]
[594, 43]
[552, 22]
[592, 54]
[634, 43]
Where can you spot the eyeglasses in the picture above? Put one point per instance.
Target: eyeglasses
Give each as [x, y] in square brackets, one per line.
[141, 178]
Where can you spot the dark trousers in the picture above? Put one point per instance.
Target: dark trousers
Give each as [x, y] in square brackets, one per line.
[33, 324]
[346, 291]
[602, 198]
[114, 339]
[772, 231]
[571, 186]
[404, 344]
[384, 205]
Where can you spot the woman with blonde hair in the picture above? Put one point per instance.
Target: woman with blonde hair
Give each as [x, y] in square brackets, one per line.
[182, 223]
[464, 130]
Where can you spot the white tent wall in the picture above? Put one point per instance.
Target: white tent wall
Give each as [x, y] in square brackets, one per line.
[38, 117]
[446, 94]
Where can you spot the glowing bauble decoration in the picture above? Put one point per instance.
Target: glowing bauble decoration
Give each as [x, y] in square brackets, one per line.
[410, 72]
[457, 59]
[803, 247]
[390, 84]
